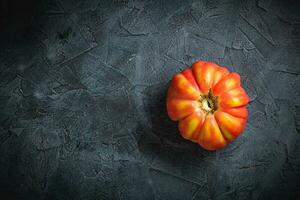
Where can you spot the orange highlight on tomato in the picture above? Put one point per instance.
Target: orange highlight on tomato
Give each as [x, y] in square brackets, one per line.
[209, 103]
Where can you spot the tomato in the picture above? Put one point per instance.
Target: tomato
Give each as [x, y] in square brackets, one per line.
[209, 103]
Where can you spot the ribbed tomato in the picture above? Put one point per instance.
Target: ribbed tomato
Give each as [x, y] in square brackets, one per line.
[209, 103]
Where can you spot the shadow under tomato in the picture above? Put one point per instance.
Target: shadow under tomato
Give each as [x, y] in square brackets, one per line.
[159, 138]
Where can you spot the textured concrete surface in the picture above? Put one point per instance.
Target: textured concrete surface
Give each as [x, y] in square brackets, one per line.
[82, 99]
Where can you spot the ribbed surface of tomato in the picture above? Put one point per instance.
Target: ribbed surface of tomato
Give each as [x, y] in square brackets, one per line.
[209, 103]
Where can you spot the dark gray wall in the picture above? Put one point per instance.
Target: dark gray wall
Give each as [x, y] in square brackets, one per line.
[83, 87]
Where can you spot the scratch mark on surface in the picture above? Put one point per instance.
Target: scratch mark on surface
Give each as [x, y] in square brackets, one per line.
[260, 33]
[173, 175]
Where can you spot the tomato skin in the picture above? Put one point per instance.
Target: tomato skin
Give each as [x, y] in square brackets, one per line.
[209, 103]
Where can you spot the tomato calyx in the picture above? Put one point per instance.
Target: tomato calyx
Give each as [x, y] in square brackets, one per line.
[208, 103]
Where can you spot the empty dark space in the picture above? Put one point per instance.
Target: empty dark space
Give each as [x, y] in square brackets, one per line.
[16, 18]
[82, 99]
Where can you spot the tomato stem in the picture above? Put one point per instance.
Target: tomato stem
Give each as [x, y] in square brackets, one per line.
[208, 103]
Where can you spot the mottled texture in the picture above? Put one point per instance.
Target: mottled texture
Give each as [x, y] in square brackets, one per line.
[82, 99]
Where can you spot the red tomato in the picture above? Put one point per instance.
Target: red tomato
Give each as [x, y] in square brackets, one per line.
[209, 103]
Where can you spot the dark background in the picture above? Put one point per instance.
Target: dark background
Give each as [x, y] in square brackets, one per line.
[82, 99]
